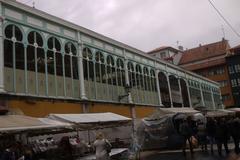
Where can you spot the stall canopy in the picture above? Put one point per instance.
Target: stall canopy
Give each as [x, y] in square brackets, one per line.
[92, 120]
[220, 113]
[18, 123]
[162, 112]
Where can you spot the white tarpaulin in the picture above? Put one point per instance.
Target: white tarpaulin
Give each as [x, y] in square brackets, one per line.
[17, 123]
[91, 120]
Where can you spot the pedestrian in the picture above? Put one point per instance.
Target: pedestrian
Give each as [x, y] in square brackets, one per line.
[65, 149]
[222, 135]
[186, 132]
[234, 129]
[202, 135]
[102, 147]
[211, 131]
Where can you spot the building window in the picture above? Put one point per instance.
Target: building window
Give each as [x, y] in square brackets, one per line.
[163, 55]
[223, 83]
[237, 68]
[231, 69]
[238, 81]
[225, 97]
[216, 71]
[234, 83]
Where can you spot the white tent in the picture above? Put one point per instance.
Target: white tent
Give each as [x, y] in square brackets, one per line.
[92, 120]
[19, 123]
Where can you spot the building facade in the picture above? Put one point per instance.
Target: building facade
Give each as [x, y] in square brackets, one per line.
[49, 65]
[167, 53]
[233, 62]
[210, 61]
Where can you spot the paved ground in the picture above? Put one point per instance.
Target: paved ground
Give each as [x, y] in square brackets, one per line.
[177, 155]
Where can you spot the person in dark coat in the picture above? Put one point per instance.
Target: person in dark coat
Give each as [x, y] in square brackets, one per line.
[211, 131]
[222, 136]
[186, 131]
[65, 149]
[234, 129]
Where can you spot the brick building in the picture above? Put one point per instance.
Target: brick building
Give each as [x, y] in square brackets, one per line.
[210, 61]
[233, 61]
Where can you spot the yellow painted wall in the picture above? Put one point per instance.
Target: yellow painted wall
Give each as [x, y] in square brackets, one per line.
[43, 108]
[144, 111]
[123, 110]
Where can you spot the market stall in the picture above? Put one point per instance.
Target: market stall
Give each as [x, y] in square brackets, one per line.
[16, 130]
[160, 130]
[116, 128]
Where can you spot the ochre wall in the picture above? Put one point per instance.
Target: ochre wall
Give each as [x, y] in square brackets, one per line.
[118, 109]
[43, 108]
[144, 111]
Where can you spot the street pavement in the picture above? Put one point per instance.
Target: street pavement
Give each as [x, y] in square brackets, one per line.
[178, 155]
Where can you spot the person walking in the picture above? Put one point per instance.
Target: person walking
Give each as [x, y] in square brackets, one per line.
[234, 129]
[186, 132]
[102, 147]
[222, 136]
[211, 131]
[202, 135]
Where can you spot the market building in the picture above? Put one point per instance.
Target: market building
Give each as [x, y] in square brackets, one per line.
[210, 61]
[233, 62]
[49, 65]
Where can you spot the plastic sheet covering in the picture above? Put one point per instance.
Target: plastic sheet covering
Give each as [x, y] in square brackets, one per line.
[160, 130]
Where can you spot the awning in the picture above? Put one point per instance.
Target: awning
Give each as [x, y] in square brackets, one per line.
[220, 113]
[92, 120]
[181, 110]
[162, 112]
[19, 123]
[234, 109]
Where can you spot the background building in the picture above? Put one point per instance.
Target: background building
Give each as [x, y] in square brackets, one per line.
[168, 54]
[233, 62]
[49, 65]
[210, 61]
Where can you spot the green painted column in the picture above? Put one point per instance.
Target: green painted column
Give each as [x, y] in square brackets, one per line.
[1, 52]
[202, 98]
[189, 95]
[180, 90]
[213, 102]
[169, 90]
[127, 76]
[158, 88]
[80, 69]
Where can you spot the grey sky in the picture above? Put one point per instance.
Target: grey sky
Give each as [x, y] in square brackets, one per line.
[148, 24]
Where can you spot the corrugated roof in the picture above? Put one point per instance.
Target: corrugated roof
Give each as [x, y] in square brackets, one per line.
[205, 52]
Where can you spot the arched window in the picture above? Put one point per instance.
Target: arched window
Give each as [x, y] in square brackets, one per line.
[13, 47]
[146, 79]
[54, 57]
[35, 53]
[139, 76]
[153, 81]
[111, 70]
[71, 61]
[131, 74]
[88, 64]
[165, 95]
[120, 72]
[99, 67]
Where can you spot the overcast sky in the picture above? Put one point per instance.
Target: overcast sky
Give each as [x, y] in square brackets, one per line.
[148, 24]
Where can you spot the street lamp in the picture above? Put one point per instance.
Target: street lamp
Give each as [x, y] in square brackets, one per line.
[127, 90]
